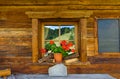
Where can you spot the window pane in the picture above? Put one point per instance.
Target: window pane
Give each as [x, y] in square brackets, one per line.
[51, 32]
[67, 32]
[108, 35]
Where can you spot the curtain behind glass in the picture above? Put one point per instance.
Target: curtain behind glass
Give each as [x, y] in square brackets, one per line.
[108, 35]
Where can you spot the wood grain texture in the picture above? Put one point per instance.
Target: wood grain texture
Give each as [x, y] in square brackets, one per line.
[83, 53]
[5, 72]
[61, 2]
[15, 42]
[59, 14]
[35, 40]
[16, 33]
[78, 69]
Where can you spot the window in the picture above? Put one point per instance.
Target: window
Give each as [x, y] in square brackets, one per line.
[108, 35]
[58, 32]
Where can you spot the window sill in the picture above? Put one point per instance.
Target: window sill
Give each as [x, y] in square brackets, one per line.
[109, 55]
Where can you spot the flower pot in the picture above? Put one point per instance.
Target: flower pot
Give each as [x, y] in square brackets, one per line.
[58, 57]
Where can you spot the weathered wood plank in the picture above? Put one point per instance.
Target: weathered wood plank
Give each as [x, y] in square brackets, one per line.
[35, 40]
[7, 60]
[15, 42]
[74, 69]
[90, 52]
[59, 14]
[41, 2]
[5, 72]
[83, 53]
[15, 32]
[60, 2]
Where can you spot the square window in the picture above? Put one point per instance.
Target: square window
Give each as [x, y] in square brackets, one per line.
[108, 35]
[59, 32]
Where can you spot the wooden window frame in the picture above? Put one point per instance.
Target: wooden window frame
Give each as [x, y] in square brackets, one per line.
[60, 23]
[81, 17]
[105, 54]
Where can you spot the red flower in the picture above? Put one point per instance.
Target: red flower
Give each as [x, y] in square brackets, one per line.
[70, 44]
[67, 48]
[51, 42]
[63, 42]
[73, 50]
[64, 47]
[43, 50]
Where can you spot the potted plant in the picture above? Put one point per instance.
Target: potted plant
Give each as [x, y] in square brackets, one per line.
[64, 49]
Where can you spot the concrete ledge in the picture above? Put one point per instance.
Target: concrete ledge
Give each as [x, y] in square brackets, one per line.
[70, 76]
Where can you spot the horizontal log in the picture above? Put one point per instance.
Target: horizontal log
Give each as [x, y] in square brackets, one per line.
[74, 69]
[59, 14]
[6, 72]
[90, 52]
[90, 47]
[15, 32]
[61, 2]
[98, 60]
[18, 59]
[15, 50]
[15, 41]
[41, 2]
[90, 40]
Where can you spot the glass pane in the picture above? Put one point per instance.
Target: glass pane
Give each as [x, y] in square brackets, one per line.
[108, 35]
[67, 32]
[51, 32]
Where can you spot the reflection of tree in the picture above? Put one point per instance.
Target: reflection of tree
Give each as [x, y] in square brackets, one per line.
[65, 30]
[72, 34]
[50, 33]
[54, 33]
[46, 32]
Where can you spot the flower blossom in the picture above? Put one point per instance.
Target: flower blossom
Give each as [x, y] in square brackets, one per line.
[51, 42]
[43, 50]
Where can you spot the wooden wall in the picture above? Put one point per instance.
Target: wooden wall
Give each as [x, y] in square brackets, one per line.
[16, 27]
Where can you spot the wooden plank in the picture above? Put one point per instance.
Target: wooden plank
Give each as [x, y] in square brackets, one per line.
[96, 37]
[116, 75]
[90, 32]
[72, 69]
[16, 41]
[34, 40]
[5, 72]
[94, 7]
[41, 2]
[60, 2]
[15, 32]
[17, 59]
[83, 53]
[41, 38]
[90, 52]
[59, 14]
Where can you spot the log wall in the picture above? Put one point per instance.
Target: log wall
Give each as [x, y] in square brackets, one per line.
[16, 30]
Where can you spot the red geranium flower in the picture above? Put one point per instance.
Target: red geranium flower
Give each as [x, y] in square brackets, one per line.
[43, 50]
[73, 50]
[63, 42]
[70, 44]
[64, 47]
[67, 48]
[51, 42]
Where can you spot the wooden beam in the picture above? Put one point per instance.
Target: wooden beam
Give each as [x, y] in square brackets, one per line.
[59, 14]
[73, 69]
[34, 40]
[83, 53]
[59, 2]
[5, 72]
